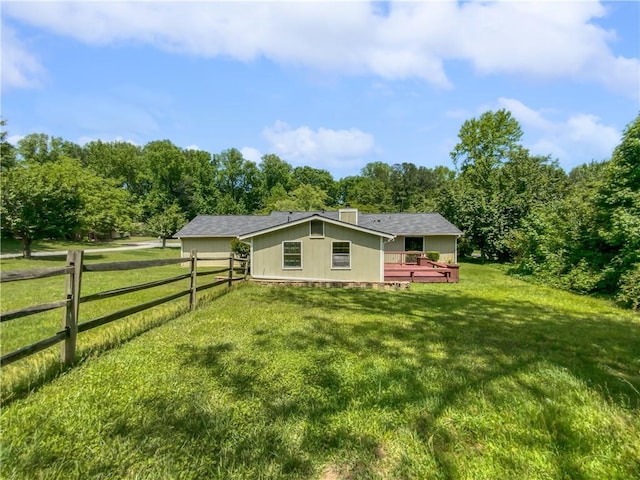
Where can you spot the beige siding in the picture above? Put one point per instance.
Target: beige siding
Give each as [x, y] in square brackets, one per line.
[445, 244]
[316, 255]
[218, 247]
[348, 215]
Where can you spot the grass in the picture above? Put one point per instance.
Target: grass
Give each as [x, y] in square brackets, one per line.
[489, 378]
[27, 374]
[10, 245]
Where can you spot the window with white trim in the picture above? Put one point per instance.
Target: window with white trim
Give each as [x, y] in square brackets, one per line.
[341, 255]
[316, 229]
[291, 255]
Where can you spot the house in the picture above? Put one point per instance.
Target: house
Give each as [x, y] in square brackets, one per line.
[346, 245]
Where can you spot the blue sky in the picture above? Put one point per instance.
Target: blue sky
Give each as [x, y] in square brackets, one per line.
[333, 85]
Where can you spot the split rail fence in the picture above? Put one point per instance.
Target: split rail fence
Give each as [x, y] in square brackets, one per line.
[74, 270]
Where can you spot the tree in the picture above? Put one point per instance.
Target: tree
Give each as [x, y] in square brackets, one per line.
[166, 223]
[120, 161]
[38, 202]
[482, 201]
[7, 151]
[485, 143]
[317, 177]
[40, 148]
[275, 171]
[304, 198]
[618, 202]
[238, 181]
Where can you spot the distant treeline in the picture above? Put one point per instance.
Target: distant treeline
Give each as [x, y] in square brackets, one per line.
[578, 230]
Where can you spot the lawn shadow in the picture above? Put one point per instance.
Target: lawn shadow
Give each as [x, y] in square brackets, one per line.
[475, 340]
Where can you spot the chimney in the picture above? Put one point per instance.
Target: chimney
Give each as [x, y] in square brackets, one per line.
[348, 215]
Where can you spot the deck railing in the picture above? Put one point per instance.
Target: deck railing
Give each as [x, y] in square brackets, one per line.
[402, 258]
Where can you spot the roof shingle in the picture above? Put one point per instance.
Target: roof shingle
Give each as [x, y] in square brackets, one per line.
[393, 223]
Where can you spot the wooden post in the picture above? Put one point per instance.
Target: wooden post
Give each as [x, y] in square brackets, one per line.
[230, 270]
[71, 313]
[246, 268]
[192, 282]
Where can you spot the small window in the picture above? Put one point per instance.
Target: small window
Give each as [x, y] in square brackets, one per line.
[414, 244]
[341, 255]
[316, 229]
[291, 254]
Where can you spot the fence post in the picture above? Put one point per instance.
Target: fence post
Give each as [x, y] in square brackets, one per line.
[246, 268]
[230, 270]
[71, 313]
[192, 283]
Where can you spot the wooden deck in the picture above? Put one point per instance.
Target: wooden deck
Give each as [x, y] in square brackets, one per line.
[425, 271]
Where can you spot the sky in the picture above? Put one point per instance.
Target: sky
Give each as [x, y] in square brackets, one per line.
[332, 85]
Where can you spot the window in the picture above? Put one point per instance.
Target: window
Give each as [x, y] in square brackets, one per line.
[316, 229]
[414, 244]
[291, 254]
[341, 255]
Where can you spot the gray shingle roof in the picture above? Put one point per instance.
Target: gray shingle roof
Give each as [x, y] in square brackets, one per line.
[393, 223]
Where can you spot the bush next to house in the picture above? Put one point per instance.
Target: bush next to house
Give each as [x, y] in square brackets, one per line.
[433, 256]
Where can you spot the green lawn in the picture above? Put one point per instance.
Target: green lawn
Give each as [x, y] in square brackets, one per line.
[490, 378]
[27, 373]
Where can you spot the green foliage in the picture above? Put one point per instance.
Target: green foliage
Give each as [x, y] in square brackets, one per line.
[465, 247]
[589, 240]
[238, 181]
[302, 198]
[7, 151]
[485, 143]
[39, 148]
[275, 173]
[240, 248]
[167, 222]
[629, 292]
[39, 202]
[433, 256]
[500, 184]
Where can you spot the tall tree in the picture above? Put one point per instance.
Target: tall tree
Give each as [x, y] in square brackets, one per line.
[484, 143]
[7, 151]
[238, 181]
[166, 223]
[38, 202]
[318, 178]
[275, 171]
[618, 204]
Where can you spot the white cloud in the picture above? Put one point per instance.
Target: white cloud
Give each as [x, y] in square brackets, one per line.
[192, 147]
[14, 139]
[321, 148]
[411, 40]
[251, 154]
[20, 69]
[575, 139]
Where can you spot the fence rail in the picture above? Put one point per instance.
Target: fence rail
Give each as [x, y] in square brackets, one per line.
[74, 269]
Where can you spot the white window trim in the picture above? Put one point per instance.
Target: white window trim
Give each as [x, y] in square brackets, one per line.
[291, 268]
[311, 235]
[331, 259]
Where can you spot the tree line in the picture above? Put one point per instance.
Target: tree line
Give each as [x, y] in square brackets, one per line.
[578, 230]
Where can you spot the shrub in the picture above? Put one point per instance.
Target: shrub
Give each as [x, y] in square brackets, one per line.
[630, 288]
[465, 247]
[433, 256]
[240, 248]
